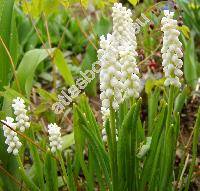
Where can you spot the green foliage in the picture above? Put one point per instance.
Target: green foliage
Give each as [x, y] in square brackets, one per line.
[191, 14]
[39, 175]
[134, 2]
[62, 66]
[101, 28]
[8, 37]
[181, 100]
[185, 30]
[50, 171]
[27, 67]
[190, 63]
[86, 129]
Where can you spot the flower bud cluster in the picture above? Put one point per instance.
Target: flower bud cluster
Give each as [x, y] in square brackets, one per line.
[21, 116]
[54, 137]
[110, 75]
[124, 34]
[119, 73]
[12, 139]
[171, 50]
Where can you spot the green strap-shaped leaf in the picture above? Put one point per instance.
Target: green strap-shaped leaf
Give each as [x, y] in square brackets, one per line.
[50, 171]
[127, 148]
[190, 63]
[97, 146]
[29, 183]
[62, 66]
[6, 11]
[37, 162]
[90, 116]
[147, 171]
[181, 99]
[79, 147]
[6, 26]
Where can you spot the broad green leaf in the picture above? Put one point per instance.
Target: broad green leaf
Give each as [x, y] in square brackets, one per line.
[68, 140]
[41, 108]
[148, 86]
[63, 68]
[36, 7]
[86, 67]
[6, 13]
[11, 93]
[185, 30]
[14, 41]
[133, 2]
[103, 27]
[27, 67]
[46, 95]
[181, 99]
[151, 83]
[190, 63]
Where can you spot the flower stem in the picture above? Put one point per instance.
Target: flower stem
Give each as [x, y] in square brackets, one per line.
[62, 164]
[29, 183]
[170, 106]
[114, 150]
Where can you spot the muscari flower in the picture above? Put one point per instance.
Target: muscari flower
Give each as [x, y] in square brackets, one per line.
[171, 50]
[21, 116]
[12, 139]
[54, 137]
[119, 72]
[110, 75]
[124, 34]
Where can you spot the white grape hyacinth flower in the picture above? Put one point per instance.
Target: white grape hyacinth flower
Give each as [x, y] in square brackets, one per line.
[110, 75]
[123, 26]
[117, 57]
[20, 111]
[12, 139]
[54, 137]
[171, 50]
[124, 34]
[130, 72]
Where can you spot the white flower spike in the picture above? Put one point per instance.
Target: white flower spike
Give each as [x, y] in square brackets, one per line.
[119, 72]
[124, 34]
[54, 137]
[12, 139]
[171, 50]
[110, 75]
[21, 116]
